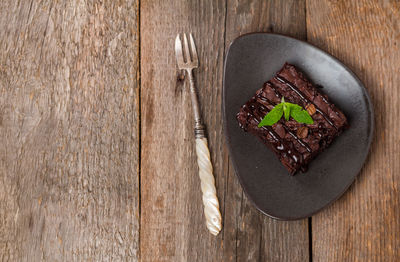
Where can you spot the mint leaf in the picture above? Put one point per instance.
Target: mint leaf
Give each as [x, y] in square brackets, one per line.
[286, 110]
[294, 106]
[273, 116]
[287, 107]
[301, 115]
[290, 108]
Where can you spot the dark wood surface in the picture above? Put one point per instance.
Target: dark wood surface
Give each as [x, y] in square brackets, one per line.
[97, 158]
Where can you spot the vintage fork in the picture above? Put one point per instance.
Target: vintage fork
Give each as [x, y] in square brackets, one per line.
[188, 60]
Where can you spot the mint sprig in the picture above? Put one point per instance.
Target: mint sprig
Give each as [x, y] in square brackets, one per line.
[288, 110]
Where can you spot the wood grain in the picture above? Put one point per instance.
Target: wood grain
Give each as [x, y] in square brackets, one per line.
[69, 131]
[364, 225]
[257, 237]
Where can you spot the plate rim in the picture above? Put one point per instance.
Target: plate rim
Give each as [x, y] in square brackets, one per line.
[370, 113]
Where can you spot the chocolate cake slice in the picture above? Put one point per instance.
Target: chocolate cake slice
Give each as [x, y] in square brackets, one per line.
[294, 144]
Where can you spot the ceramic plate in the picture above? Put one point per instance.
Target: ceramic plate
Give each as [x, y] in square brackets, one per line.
[252, 60]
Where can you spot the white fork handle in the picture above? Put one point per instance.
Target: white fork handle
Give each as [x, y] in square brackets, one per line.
[210, 200]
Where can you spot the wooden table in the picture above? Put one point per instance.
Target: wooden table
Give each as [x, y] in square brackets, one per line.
[97, 159]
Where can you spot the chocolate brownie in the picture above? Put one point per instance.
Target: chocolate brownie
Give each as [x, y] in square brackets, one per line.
[294, 144]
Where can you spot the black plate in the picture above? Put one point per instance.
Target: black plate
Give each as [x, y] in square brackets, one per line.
[252, 60]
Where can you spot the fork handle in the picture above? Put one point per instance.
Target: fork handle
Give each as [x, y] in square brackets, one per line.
[210, 200]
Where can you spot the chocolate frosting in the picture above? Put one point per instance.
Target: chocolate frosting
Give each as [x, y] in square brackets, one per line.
[294, 152]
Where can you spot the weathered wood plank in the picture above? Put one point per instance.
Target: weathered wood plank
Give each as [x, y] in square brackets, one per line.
[69, 131]
[253, 236]
[364, 224]
[172, 222]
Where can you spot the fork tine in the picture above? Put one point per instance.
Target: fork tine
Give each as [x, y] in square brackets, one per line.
[194, 51]
[186, 49]
[178, 51]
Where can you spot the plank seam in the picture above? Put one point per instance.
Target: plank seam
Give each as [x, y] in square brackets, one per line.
[310, 251]
[227, 177]
[310, 242]
[139, 83]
